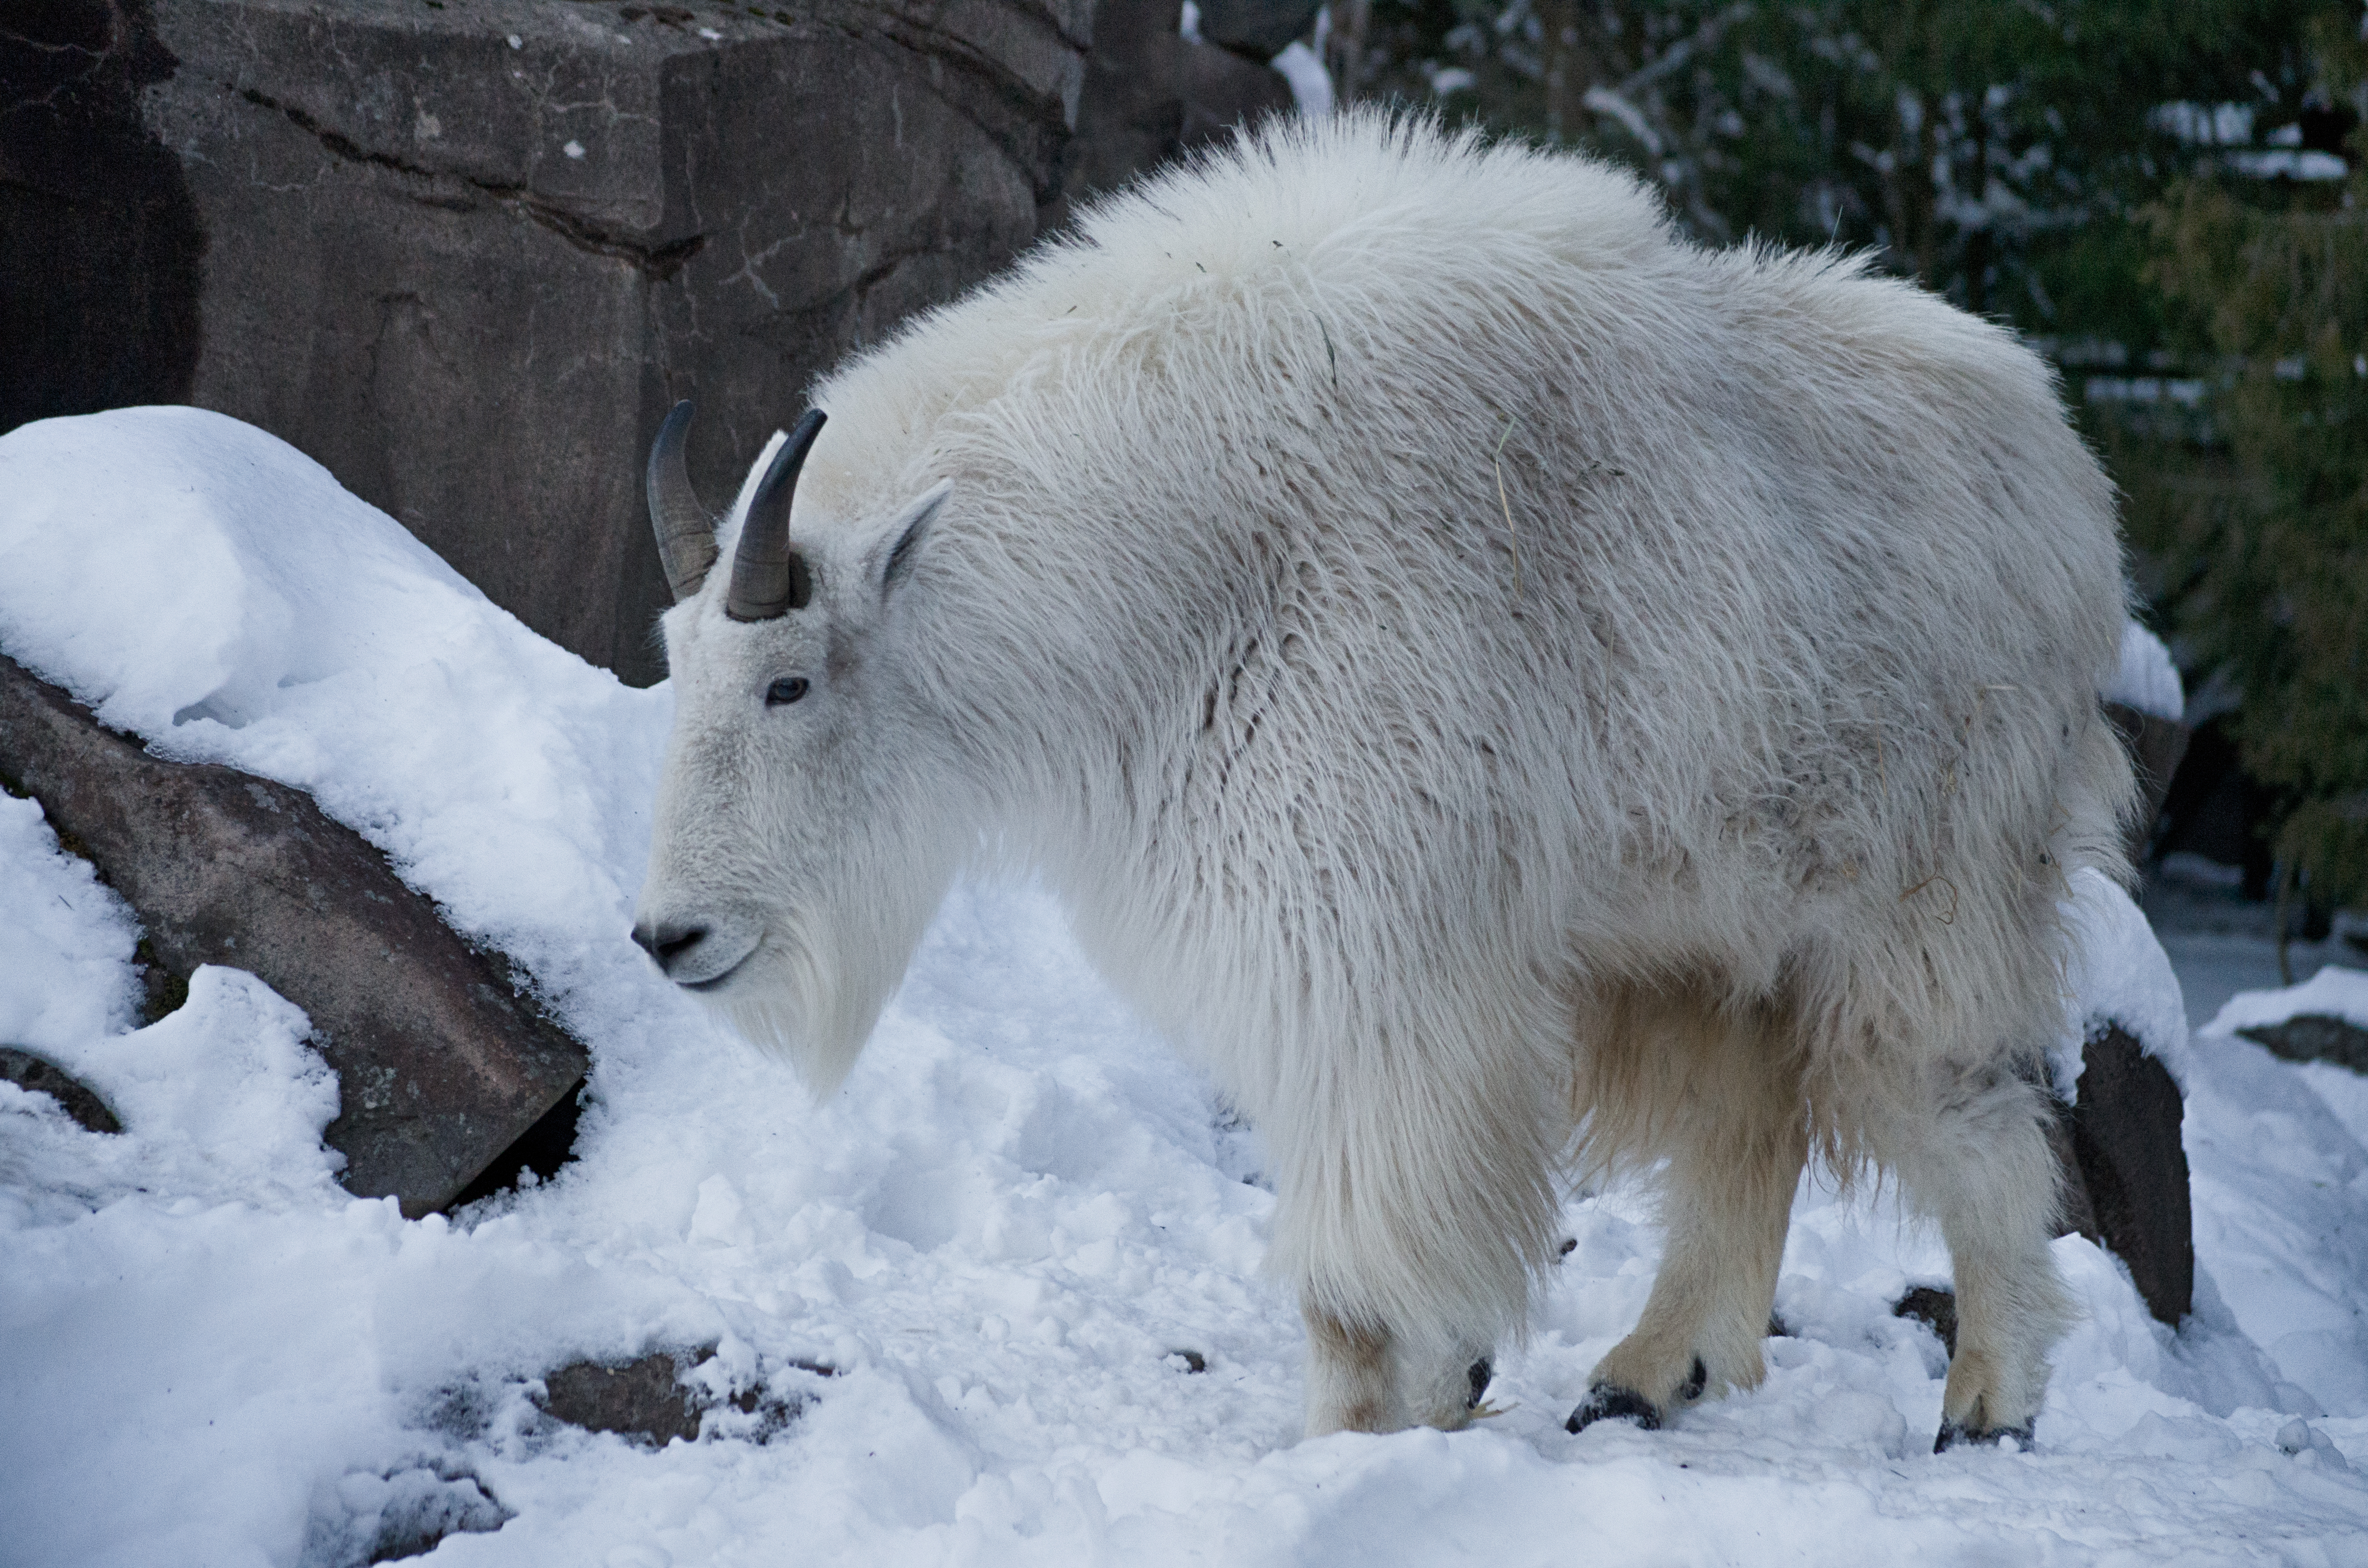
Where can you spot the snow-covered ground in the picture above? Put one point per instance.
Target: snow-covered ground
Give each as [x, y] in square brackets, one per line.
[2221, 944]
[999, 1236]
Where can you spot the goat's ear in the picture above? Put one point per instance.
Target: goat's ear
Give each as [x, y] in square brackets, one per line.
[906, 534]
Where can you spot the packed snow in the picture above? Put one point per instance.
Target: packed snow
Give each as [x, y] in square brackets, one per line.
[964, 1285]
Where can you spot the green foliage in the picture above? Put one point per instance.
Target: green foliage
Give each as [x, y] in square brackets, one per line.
[1990, 148]
[2260, 532]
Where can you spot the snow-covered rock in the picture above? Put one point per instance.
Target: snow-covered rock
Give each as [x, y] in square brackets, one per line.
[2334, 992]
[2147, 680]
[2115, 973]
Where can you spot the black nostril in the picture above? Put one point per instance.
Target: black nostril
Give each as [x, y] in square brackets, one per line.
[668, 942]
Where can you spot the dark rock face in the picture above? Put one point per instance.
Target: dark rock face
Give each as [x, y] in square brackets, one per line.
[440, 1065]
[1151, 94]
[2126, 1148]
[1259, 29]
[41, 1076]
[468, 255]
[2076, 1215]
[2315, 1037]
[101, 243]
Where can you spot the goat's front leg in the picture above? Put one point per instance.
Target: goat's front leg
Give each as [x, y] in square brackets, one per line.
[1351, 1377]
[1411, 1213]
[1363, 1379]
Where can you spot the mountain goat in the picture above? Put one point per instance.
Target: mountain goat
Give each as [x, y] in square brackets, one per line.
[1511, 690]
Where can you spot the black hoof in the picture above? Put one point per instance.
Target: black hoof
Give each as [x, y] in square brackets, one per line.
[1477, 1375]
[1957, 1435]
[1609, 1402]
[1696, 1380]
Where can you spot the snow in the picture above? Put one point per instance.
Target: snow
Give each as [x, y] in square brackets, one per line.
[2146, 679]
[2286, 1188]
[2118, 973]
[2334, 992]
[1311, 85]
[1302, 67]
[999, 1234]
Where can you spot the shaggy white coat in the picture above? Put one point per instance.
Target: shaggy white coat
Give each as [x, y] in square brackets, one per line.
[1485, 671]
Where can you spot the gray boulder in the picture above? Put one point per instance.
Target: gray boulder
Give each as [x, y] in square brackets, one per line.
[441, 1065]
[467, 254]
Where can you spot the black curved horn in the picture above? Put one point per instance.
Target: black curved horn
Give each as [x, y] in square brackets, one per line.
[686, 532]
[769, 576]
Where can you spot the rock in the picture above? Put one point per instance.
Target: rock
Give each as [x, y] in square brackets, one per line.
[540, 1152]
[2125, 1146]
[467, 255]
[2314, 1037]
[654, 1399]
[99, 280]
[40, 1076]
[1257, 28]
[2124, 1170]
[369, 1517]
[1151, 94]
[2078, 1216]
[440, 1064]
[1933, 1306]
[644, 1399]
[2156, 746]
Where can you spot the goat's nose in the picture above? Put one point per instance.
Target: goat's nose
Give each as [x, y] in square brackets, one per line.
[667, 942]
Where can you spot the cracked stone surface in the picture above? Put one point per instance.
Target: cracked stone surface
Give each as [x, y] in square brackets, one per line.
[440, 1064]
[466, 254]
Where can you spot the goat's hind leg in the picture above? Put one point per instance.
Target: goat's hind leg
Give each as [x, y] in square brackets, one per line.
[1720, 1093]
[1983, 1168]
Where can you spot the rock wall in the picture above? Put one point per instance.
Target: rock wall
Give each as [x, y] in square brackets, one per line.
[466, 252]
[1152, 95]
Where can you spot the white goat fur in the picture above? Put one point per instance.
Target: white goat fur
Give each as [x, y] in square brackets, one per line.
[1491, 678]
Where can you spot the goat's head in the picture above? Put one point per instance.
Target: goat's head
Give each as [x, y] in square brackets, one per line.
[802, 835]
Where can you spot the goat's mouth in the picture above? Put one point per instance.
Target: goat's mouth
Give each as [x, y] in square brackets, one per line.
[715, 982]
[696, 954]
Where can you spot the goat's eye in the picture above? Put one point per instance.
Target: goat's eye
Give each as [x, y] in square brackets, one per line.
[788, 688]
